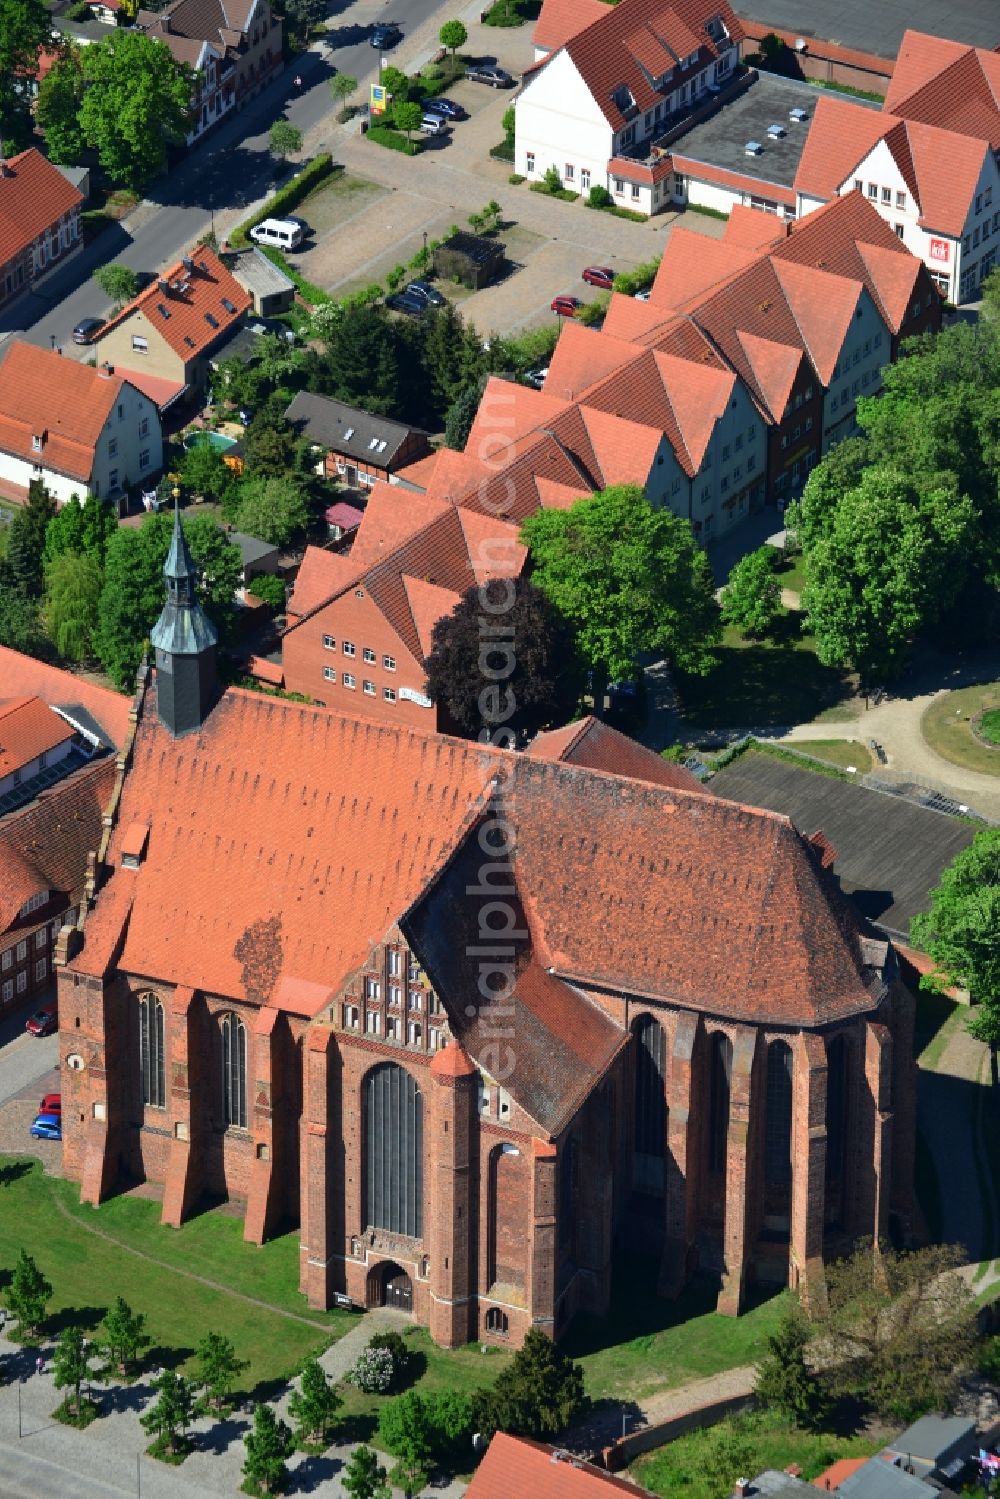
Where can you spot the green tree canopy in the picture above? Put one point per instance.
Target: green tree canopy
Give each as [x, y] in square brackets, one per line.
[218, 1368]
[71, 1364]
[342, 86]
[405, 1428]
[285, 139]
[26, 540]
[204, 472]
[268, 1445]
[119, 282]
[752, 597]
[315, 1404]
[396, 83]
[125, 1334]
[73, 585]
[60, 95]
[25, 28]
[364, 1477]
[274, 510]
[28, 1294]
[138, 98]
[628, 579]
[453, 35]
[171, 1413]
[81, 528]
[20, 619]
[461, 415]
[961, 931]
[784, 1380]
[406, 116]
[538, 1395]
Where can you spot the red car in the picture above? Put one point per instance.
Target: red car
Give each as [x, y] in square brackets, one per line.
[566, 306]
[51, 1104]
[44, 1022]
[599, 275]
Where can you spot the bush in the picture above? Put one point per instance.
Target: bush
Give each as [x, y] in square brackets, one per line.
[503, 152]
[374, 1371]
[515, 179]
[711, 213]
[600, 198]
[394, 1345]
[565, 193]
[551, 180]
[384, 135]
[592, 312]
[504, 13]
[637, 279]
[287, 197]
[270, 589]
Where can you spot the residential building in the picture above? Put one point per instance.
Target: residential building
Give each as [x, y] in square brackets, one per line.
[595, 105]
[357, 448]
[78, 429]
[935, 1448]
[39, 222]
[260, 558]
[333, 1047]
[165, 339]
[515, 1466]
[244, 38]
[214, 69]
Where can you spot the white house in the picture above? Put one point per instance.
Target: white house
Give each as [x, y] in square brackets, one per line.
[595, 105]
[938, 189]
[78, 429]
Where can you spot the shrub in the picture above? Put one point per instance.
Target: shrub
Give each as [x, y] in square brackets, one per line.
[503, 152]
[384, 135]
[270, 589]
[600, 198]
[287, 197]
[374, 1371]
[592, 312]
[638, 278]
[515, 179]
[551, 180]
[504, 13]
[712, 213]
[394, 1345]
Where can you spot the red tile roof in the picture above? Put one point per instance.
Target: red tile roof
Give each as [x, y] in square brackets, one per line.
[23, 676]
[63, 402]
[28, 728]
[833, 1476]
[561, 19]
[594, 744]
[692, 263]
[750, 229]
[34, 195]
[193, 298]
[45, 846]
[514, 1468]
[321, 574]
[159, 390]
[945, 83]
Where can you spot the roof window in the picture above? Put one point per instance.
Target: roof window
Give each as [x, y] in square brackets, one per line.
[753, 148]
[189, 340]
[211, 320]
[798, 115]
[373, 444]
[228, 305]
[348, 434]
[381, 444]
[776, 132]
[163, 311]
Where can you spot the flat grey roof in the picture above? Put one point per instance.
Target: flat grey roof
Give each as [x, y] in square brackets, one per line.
[255, 272]
[878, 27]
[890, 852]
[934, 1436]
[879, 1479]
[252, 549]
[721, 140]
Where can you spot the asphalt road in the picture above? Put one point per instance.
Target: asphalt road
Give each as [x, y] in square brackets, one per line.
[230, 168]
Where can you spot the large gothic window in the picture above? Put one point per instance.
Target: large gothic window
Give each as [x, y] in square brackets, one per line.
[151, 1062]
[836, 1108]
[778, 1122]
[394, 1140]
[234, 1070]
[567, 1192]
[649, 1148]
[720, 1075]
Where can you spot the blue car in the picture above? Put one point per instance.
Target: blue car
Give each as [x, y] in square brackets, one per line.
[47, 1127]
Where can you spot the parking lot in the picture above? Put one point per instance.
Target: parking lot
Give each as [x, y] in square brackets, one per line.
[28, 1069]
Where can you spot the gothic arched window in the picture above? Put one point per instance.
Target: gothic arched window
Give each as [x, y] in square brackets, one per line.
[649, 1139]
[778, 1120]
[234, 1071]
[721, 1071]
[151, 1062]
[394, 1150]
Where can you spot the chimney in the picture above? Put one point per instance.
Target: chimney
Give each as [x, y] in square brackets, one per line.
[105, 371]
[163, 286]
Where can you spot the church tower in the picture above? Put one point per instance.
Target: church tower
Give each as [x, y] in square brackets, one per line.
[184, 639]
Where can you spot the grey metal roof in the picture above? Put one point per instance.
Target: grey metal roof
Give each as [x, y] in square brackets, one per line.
[256, 273]
[890, 852]
[879, 28]
[183, 628]
[252, 549]
[332, 424]
[880, 1479]
[777, 1485]
[933, 1437]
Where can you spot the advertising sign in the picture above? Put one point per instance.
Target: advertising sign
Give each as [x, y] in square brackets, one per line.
[939, 250]
[379, 99]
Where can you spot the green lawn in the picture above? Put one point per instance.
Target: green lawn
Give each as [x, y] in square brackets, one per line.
[792, 572]
[762, 684]
[937, 1018]
[87, 1270]
[685, 1466]
[647, 1343]
[839, 752]
[946, 727]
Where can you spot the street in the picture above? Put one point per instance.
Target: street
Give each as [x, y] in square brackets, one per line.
[231, 168]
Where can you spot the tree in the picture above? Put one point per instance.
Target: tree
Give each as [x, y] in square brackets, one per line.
[25, 28]
[811, 518]
[461, 415]
[134, 588]
[784, 1380]
[268, 447]
[628, 579]
[81, 528]
[752, 598]
[342, 86]
[71, 1365]
[168, 1419]
[453, 35]
[960, 933]
[405, 1428]
[364, 1476]
[73, 585]
[119, 282]
[538, 1395]
[205, 472]
[360, 366]
[900, 1328]
[315, 1404]
[274, 510]
[395, 82]
[26, 540]
[218, 1368]
[374, 1371]
[138, 98]
[285, 139]
[268, 1446]
[60, 95]
[407, 116]
[504, 655]
[20, 620]
[731, 1454]
[269, 588]
[125, 1334]
[885, 570]
[28, 1294]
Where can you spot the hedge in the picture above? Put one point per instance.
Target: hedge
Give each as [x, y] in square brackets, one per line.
[383, 135]
[310, 293]
[565, 193]
[503, 152]
[637, 279]
[289, 196]
[710, 213]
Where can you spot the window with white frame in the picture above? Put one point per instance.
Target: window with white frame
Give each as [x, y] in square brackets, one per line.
[570, 172]
[395, 994]
[139, 345]
[373, 1023]
[373, 989]
[8, 991]
[143, 459]
[348, 680]
[22, 981]
[368, 688]
[22, 951]
[328, 642]
[42, 937]
[329, 674]
[415, 1000]
[900, 199]
[394, 962]
[368, 655]
[392, 1027]
[530, 162]
[389, 662]
[886, 195]
[414, 1034]
[349, 648]
[7, 960]
[389, 693]
[351, 1017]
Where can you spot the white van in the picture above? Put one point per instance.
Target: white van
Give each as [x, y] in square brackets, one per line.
[280, 234]
[434, 125]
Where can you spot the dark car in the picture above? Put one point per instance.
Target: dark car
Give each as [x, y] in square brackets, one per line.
[385, 36]
[51, 1104]
[447, 108]
[87, 329]
[47, 1127]
[599, 275]
[44, 1022]
[405, 301]
[566, 306]
[493, 76]
[426, 292]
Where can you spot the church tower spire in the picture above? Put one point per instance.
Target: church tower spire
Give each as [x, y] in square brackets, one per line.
[185, 641]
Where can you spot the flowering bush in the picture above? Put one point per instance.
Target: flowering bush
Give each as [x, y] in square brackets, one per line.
[373, 1371]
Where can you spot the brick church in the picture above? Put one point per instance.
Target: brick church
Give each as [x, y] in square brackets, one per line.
[472, 1019]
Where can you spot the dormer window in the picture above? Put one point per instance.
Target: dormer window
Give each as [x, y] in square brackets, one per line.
[37, 441]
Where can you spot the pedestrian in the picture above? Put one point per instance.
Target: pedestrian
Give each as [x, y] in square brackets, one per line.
[298, 81]
[39, 1365]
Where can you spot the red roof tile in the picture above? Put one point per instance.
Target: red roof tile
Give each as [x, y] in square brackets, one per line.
[561, 19]
[752, 230]
[945, 83]
[692, 263]
[594, 744]
[823, 306]
[193, 299]
[514, 1468]
[28, 728]
[428, 604]
[34, 195]
[23, 676]
[45, 846]
[63, 402]
[419, 473]
[320, 575]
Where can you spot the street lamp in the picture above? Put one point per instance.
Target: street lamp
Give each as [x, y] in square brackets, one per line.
[52, 340]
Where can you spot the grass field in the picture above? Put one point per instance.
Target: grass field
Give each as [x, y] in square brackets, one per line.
[43, 1216]
[792, 572]
[762, 684]
[839, 752]
[946, 727]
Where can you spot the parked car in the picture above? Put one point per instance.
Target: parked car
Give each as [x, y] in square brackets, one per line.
[44, 1022]
[566, 306]
[445, 107]
[432, 124]
[599, 275]
[536, 377]
[51, 1104]
[430, 294]
[47, 1127]
[642, 296]
[492, 75]
[385, 36]
[87, 329]
[404, 301]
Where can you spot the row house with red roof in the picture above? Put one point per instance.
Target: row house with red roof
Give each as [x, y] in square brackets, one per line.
[235, 45]
[39, 222]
